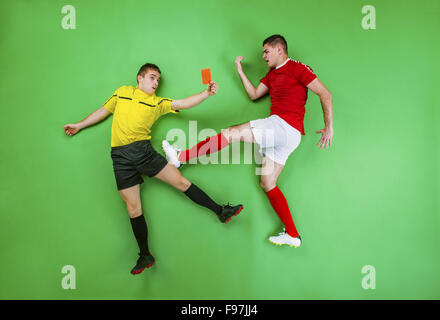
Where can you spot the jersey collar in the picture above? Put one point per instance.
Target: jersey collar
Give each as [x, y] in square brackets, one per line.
[139, 92]
[283, 63]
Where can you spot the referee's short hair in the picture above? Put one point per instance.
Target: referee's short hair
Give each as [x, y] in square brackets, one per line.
[276, 39]
[148, 66]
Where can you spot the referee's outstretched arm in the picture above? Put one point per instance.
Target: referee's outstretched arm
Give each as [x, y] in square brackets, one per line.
[95, 117]
[195, 99]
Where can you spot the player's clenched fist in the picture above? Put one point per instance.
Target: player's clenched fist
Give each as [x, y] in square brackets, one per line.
[238, 62]
[212, 88]
[238, 59]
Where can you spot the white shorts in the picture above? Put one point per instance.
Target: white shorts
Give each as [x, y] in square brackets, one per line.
[277, 138]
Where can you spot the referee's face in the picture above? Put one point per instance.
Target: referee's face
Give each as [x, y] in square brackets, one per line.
[149, 82]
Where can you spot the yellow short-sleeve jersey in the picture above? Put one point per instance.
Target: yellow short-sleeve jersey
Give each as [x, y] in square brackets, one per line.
[134, 113]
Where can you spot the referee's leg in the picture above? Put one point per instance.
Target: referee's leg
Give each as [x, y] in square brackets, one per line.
[173, 177]
[132, 199]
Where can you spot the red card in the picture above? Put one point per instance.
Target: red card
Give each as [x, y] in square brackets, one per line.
[206, 76]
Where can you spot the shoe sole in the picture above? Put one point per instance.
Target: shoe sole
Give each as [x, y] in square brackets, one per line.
[235, 214]
[284, 244]
[140, 270]
[163, 149]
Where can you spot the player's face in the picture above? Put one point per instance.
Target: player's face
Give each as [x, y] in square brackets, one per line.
[149, 82]
[270, 55]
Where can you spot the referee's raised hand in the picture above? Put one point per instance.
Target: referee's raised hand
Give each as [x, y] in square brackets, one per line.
[212, 88]
[71, 129]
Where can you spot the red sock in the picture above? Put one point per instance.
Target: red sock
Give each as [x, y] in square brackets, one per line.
[279, 203]
[207, 146]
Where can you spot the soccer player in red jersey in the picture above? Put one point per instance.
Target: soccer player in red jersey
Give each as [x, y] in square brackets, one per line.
[278, 135]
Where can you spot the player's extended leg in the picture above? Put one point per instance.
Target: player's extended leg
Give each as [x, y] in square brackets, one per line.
[132, 199]
[172, 176]
[241, 132]
[271, 170]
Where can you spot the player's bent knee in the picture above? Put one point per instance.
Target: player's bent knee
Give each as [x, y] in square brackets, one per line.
[237, 133]
[267, 185]
[183, 184]
[227, 134]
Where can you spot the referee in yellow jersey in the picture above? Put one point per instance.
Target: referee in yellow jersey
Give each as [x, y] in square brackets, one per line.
[134, 112]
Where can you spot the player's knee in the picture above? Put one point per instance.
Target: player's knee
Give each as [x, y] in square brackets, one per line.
[135, 214]
[267, 184]
[234, 134]
[134, 209]
[183, 184]
[227, 134]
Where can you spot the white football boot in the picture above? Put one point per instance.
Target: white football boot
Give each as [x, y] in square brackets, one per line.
[284, 238]
[172, 153]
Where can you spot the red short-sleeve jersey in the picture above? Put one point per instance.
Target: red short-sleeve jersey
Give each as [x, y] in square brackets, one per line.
[288, 91]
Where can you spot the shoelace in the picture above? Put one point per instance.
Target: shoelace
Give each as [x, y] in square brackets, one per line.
[227, 206]
[177, 149]
[282, 233]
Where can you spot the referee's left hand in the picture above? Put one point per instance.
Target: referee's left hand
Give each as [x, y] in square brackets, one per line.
[71, 129]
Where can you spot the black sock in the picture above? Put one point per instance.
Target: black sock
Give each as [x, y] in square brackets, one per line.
[140, 231]
[201, 198]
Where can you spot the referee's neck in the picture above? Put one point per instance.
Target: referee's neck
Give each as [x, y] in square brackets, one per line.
[149, 94]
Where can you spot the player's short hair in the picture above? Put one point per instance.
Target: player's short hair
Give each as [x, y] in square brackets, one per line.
[148, 66]
[276, 39]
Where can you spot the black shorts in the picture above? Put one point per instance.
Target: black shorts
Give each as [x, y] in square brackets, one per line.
[133, 160]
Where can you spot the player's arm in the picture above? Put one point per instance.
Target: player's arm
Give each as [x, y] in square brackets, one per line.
[95, 117]
[253, 93]
[327, 107]
[195, 99]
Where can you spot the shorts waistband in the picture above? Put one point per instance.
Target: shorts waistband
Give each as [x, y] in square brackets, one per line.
[139, 142]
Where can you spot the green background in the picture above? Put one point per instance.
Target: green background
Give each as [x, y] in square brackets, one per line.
[371, 199]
